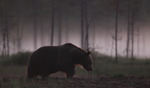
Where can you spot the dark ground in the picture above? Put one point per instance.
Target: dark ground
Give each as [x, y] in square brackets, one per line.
[77, 82]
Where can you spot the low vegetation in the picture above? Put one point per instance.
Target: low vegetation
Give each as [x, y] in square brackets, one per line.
[13, 73]
[102, 64]
[20, 59]
[106, 65]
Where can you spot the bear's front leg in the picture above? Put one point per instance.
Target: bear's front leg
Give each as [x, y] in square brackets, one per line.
[70, 73]
[44, 77]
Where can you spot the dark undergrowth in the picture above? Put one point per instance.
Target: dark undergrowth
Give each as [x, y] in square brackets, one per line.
[20, 58]
[127, 73]
[102, 65]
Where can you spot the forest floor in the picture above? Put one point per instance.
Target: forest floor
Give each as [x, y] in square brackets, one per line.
[127, 73]
[57, 81]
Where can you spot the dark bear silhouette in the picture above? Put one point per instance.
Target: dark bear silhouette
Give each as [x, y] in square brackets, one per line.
[50, 59]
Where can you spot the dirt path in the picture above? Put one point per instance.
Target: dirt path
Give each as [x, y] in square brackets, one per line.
[56, 82]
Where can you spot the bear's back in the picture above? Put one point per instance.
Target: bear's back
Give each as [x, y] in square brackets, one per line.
[46, 54]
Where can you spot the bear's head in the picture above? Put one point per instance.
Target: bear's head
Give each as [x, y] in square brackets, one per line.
[79, 56]
[83, 58]
[86, 61]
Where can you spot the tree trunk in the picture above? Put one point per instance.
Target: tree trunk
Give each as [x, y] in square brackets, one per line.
[35, 24]
[19, 30]
[42, 31]
[86, 27]
[128, 31]
[138, 42]
[5, 34]
[66, 28]
[4, 43]
[132, 35]
[60, 15]
[116, 31]
[53, 21]
[82, 25]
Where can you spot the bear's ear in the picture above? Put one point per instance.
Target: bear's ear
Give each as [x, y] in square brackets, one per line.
[88, 53]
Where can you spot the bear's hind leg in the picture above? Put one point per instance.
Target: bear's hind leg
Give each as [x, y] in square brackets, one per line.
[70, 72]
[44, 77]
[69, 75]
[31, 76]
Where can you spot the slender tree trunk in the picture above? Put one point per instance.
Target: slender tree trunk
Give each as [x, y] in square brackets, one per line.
[4, 43]
[128, 31]
[7, 39]
[60, 15]
[42, 31]
[86, 26]
[132, 35]
[132, 10]
[116, 31]
[19, 39]
[144, 45]
[66, 28]
[112, 47]
[53, 21]
[82, 25]
[59, 31]
[19, 36]
[6, 35]
[138, 41]
[35, 24]
[135, 8]
[94, 28]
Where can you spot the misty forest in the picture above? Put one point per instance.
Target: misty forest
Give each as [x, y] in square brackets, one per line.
[116, 32]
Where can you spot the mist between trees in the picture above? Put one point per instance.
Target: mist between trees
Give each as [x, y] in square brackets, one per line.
[112, 27]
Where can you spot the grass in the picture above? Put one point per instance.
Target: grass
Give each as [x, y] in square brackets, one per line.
[105, 65]
[102, 65]
[13, 71]
[21, 58]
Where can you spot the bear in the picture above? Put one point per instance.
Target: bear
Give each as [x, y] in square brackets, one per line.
[51, 59]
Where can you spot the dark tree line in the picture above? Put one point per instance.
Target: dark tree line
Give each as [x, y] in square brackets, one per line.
[84, 25]
[60, 12]
[133, 10]
[5, 28]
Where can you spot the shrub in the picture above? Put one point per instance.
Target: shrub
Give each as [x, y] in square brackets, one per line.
[21, 58]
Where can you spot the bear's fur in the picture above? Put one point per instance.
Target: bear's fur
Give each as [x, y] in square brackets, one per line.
[50, 59]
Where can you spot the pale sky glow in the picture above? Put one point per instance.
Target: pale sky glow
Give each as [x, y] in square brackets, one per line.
[103, 41]
[24, 15]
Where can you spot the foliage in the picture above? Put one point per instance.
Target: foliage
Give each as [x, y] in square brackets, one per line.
[106, 65]
[106, 71]
[21, 58]
[102, 65]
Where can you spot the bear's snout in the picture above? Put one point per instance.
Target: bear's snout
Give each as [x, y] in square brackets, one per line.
[88, 67]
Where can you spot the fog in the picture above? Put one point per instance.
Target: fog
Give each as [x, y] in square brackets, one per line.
[101, 18]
